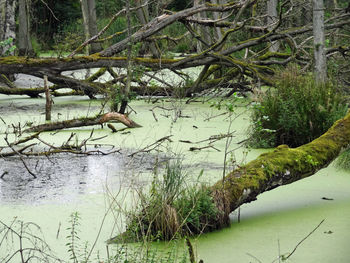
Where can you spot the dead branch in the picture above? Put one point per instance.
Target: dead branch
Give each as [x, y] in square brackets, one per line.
[192, 149]
[152, 146]
[164, 20]
[20, 157]
[87, 121]
[301, 241]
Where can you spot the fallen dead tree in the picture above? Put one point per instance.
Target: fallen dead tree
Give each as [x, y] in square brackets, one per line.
[282, 166]
[224, 51]
[86, 121]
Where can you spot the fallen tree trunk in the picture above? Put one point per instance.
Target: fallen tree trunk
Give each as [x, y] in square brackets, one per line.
[35, 92]
[81, 122]
[282, 166]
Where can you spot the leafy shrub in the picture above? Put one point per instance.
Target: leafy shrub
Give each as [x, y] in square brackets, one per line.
[295, 112]
[7, 47]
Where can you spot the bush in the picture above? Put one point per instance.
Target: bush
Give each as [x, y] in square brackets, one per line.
[295, 112]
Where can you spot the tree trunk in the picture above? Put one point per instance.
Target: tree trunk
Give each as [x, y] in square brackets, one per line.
[143, 16]
[282, 166]
[95, 47]
[88, 8]
[7, 23]
[271, 19]
[270, 170]
[126, 88]
[216, 15]
[319, 41]
[204, 32]
[24, 43]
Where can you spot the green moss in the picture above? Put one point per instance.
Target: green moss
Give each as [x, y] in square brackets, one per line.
[12, 60]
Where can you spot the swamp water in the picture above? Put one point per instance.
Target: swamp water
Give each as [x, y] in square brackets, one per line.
[277, 221]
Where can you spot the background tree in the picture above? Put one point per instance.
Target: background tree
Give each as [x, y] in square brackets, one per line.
[7, 23]
[142, 14]
[25, 47]
[272, 19]
[201, 32]
[319, 41]
[88, 8]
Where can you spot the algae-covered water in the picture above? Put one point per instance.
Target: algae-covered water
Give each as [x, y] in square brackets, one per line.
[272, 225]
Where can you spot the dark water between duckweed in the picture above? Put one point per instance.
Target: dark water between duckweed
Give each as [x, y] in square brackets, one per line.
[63, 177]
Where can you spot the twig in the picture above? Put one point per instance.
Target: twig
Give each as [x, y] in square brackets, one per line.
[58, 230]
[99, 138]
[3, 174]
[26, 139]
[301, 241]
[148, 147]
[13, 153]
[47, 144]
[158, 79]
[154, 115]
[2, 120]
[21, 158]
[254, 257]
[212, 138]
[202, 148]
[109, 125]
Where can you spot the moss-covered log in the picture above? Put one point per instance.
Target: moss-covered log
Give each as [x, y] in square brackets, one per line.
[35, 92]
[282, 166]
[31, 92]
[81, 122]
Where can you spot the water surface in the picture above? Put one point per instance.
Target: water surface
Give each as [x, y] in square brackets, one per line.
[67, 183]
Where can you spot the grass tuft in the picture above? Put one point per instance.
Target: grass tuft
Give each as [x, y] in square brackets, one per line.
[172, 208]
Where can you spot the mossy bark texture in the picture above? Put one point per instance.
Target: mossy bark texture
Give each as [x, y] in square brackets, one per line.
[282, 166]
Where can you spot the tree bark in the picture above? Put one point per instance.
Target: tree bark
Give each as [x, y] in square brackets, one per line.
[271, 19]
[24, 43]
[319, 41]
[125, 91]
[217, 16]
[143, 16]
[48, 105]
[7, 22]
[88, 8]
